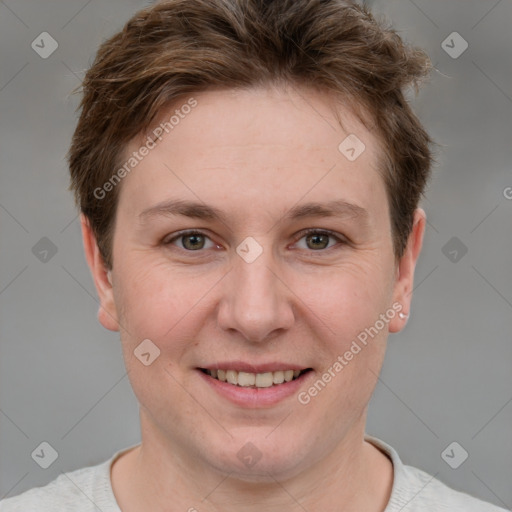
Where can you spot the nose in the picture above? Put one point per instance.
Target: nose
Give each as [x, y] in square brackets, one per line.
[256, 301]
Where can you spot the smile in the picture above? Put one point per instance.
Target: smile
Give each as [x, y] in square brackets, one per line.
[255, 380]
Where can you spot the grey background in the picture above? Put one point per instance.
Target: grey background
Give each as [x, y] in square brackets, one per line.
[447, 376]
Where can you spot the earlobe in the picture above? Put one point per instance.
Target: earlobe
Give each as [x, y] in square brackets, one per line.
[402, 293]
[107, 313]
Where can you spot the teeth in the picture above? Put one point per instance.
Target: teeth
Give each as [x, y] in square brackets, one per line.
[232, 377]
[264, 380]
[278, 377]
[246, 379]
[259, 380]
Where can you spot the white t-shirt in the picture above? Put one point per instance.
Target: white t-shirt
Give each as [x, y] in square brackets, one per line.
[90, 490]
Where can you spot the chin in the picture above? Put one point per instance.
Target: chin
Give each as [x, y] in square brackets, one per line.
[260, 457]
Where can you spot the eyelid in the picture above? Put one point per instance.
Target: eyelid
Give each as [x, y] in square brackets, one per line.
[183, 233]
[321, 231]
[339, 238]
[301, 234]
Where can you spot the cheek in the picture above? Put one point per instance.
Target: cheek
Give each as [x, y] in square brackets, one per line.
[151, 295]
[165, 305]
[347, 299]
[349, 303]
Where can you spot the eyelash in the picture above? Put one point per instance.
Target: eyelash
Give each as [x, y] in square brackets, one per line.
[300, 235]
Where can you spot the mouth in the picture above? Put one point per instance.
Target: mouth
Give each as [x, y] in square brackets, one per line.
[255, 380]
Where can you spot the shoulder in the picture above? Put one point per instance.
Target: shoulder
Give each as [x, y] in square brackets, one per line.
[414, 490]
[66, 492]
[423, 492]
[87, 489]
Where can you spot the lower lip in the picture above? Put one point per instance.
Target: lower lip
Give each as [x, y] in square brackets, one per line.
[255, 397]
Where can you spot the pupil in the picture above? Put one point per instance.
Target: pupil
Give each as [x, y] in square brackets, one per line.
[196, 241]
[319, 239]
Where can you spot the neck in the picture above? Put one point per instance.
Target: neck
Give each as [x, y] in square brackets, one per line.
[354, 476]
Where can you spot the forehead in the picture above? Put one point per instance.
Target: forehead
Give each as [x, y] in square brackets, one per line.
[288, 115]
[268, 142]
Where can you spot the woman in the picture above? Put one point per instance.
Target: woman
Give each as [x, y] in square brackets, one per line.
[249, 175]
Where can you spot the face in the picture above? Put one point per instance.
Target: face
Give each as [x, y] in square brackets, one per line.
[245, 240]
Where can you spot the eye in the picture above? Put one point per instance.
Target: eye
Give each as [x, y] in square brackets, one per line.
[194, 241]
[190, 241]
[318, 240]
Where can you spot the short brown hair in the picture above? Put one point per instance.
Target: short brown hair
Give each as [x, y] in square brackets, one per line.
[178, 47]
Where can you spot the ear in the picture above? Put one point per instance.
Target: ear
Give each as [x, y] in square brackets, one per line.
[107, 313]
[402, 292]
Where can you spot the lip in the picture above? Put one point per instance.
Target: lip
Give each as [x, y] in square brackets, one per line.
[242, 366]
[255, 397]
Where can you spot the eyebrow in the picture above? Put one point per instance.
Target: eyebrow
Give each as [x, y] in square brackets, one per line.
[196, 210]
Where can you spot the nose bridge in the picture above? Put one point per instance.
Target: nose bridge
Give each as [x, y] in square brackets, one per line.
[256, 302]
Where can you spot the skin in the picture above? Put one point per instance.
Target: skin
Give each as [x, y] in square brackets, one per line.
[254, 154]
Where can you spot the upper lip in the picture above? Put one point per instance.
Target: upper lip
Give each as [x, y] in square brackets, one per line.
[242, 366]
